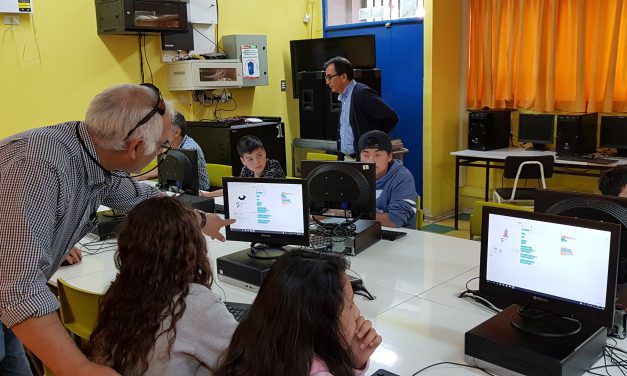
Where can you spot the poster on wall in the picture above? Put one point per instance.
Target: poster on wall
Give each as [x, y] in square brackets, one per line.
[250, 62]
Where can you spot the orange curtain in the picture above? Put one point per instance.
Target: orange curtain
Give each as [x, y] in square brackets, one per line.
[548, 55]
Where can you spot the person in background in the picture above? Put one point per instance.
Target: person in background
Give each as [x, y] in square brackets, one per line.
[52, 181]
[302, 322]
[159, 316]
[362, 108]
[256, 164]
[181, 140]
[396, 189]
[613, 182]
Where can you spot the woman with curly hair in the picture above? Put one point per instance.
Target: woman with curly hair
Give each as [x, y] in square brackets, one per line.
[303, 322]
[159, 316]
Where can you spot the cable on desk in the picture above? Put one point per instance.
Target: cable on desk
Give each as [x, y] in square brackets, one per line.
[454, 364]
[474, 295]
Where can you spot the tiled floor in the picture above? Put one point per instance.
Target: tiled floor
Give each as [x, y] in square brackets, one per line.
[447, 227]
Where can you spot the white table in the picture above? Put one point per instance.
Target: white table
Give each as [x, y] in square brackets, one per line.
[495, 158]
[414, 279]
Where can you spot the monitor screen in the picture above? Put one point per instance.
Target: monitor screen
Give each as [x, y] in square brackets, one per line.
[267, 211]
[347, 186]
[308, 55]
[178, 171]
[555, 264]
[613, 132]
[536, 128]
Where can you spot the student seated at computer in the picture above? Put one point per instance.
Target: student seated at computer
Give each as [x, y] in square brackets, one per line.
[613, 182]
[302, 322]
[396, 190]
[159, 316]
[179, 139]
[256, 163]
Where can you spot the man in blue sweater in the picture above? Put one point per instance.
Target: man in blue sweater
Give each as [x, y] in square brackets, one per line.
[396, 190]
[362, 108]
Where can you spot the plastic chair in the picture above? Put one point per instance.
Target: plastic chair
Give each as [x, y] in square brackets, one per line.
[313, 156]
[517, 168]
[216, 172]
[419, 215]
[477, 213]
[79, 309]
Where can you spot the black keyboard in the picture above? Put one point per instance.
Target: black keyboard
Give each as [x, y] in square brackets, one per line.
[576, 158]
[392, 235]
[238, 310]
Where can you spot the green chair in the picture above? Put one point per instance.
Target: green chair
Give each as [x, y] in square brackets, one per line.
[476, 216]
[216, 172]
[79, 309]
[313, 156]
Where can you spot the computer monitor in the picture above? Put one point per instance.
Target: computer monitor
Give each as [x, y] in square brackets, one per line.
[272, 212]
[552, 266]
[537, 129]
[614, 134]
[588, 206]
[345, 185]
[178, 171]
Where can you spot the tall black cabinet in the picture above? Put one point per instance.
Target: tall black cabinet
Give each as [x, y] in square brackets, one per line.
[218, 140]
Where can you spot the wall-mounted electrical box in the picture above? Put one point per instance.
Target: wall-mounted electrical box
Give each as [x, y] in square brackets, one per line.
[252, 51]
[204, 74]
[141, 16]
[16, 6]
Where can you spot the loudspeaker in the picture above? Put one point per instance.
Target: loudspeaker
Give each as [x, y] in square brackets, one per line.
[489, 129]
[319, 108]
[576, 134]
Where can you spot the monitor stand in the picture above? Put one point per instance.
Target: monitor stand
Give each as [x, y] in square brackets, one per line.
[544, 324]
[262, 251]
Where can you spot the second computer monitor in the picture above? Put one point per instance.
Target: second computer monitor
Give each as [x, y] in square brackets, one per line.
[537, 129]
[347, 186]
[614, 134]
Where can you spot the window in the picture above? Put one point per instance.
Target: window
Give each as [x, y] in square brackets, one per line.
[342, 12]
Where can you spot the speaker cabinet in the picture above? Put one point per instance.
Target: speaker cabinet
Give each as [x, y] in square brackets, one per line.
[576, 134]
[319, 108]
[489, 129]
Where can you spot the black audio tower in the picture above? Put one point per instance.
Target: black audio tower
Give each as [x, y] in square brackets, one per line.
[576, 134]
[489, 129]
[319, 108]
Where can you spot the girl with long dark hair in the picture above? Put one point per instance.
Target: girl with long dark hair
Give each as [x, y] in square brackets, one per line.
[159, 316]
[303, 322]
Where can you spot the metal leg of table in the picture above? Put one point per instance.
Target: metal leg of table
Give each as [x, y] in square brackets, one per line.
[456, 192]
[486, 194]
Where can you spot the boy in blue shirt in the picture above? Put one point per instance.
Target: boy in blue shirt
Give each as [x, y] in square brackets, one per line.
[396, 190]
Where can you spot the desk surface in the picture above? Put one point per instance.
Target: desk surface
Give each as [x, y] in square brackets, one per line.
[501, 154]
[414, 278]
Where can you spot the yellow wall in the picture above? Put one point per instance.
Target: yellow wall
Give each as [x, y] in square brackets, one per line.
[54, 62]
[441, 105]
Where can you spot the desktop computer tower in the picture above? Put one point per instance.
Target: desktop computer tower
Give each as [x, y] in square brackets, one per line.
[319, 108]
[576, 134]
[489, 129]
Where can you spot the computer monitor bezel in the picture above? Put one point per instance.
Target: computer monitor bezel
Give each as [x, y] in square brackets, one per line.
[538, 120]
[269, 238]
[544, 302]
[308, 167]
[189, 183]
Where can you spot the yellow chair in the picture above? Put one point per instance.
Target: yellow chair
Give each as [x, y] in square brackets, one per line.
[477, 211]
[419, 215]
[150, 166]
[216, 172]
[313, 156]
[79, 309]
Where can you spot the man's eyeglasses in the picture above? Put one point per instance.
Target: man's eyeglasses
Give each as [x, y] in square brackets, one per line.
[165, 148]
[159, 108]
[328, 77]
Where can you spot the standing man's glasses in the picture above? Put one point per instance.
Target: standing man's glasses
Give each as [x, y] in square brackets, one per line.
[328, 77]
[159, 108]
